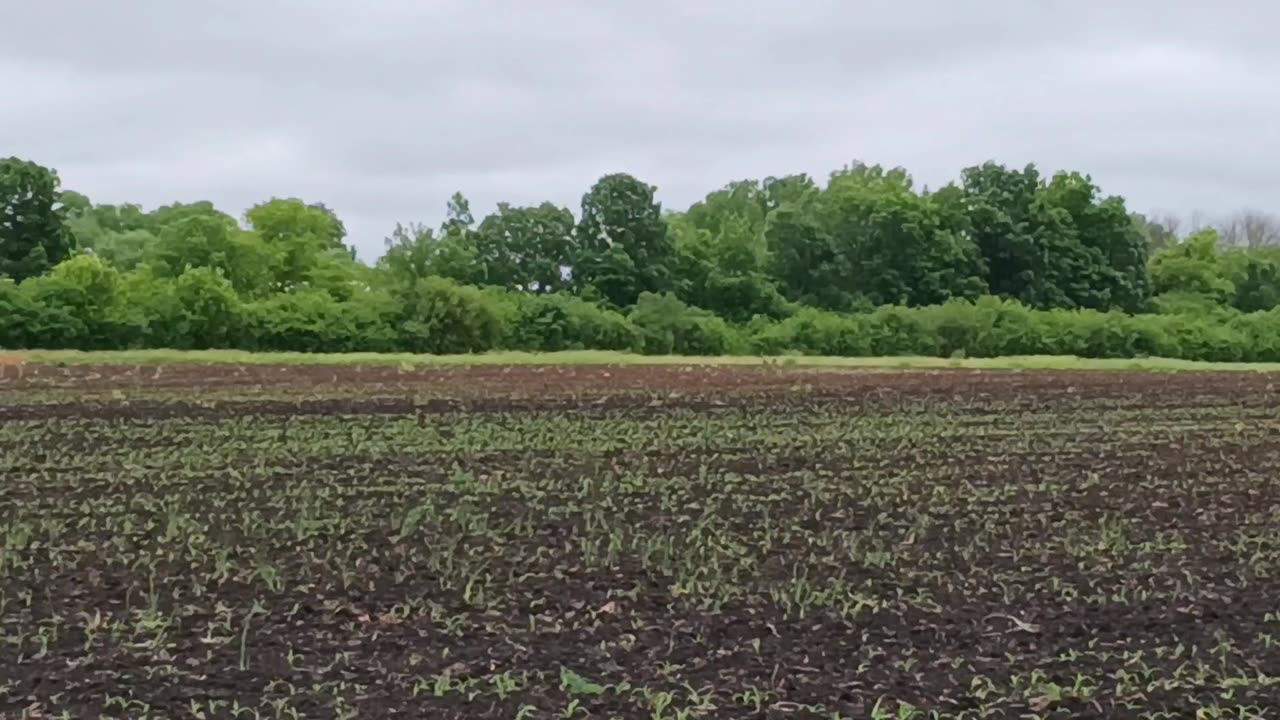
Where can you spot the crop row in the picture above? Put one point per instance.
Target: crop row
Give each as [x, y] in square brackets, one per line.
[797, 552]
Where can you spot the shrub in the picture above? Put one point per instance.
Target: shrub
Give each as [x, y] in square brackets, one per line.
[559, 321]
[895, 330]
[440, 316]
[210, 311]
[1260, 332]
[72, 305]
[312, 320]
[669, 326]
[815, 332]
[17, 316]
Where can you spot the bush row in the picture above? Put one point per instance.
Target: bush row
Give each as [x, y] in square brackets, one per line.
[76, 308]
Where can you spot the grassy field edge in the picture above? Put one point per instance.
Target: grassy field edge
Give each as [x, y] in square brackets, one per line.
[595, 357]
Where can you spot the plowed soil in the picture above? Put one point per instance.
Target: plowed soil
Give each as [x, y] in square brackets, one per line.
[637, 542]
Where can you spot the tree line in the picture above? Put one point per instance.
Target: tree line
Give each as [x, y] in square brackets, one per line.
[1003, 260]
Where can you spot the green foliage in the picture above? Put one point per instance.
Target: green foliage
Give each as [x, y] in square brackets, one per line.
[1192, 266]
[668, 326]
[441, 316]
[994, 327]
[33, 231]
[803, 257]
[214, 242]
[1157, 234]
[1255, 276]
[526, 248]
[815, 332]
[623, 246]
[296, 235]
[312, 320]
[416, 252]
[869, 237]
[147, 311]
[1244, 279]
[559, 321]
[1003, 261]
[210, 309]
[123, 250]
[721, 254]
[73, 305]
[1055, 244]
[893, 246]
[18, 317]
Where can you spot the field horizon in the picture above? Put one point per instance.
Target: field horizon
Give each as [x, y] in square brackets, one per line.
[606, 357]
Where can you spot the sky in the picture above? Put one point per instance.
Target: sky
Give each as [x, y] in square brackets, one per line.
[382, 109]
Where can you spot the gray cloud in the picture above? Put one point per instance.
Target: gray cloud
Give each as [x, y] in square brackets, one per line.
[382, 110]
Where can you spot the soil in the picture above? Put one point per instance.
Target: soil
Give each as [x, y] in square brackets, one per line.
[1021, 530]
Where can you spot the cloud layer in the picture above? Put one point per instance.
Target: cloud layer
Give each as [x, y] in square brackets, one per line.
[382, 110]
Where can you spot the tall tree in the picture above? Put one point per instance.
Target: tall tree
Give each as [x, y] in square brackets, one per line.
[1255, 274]
[1055, 244]
[214, 241]
[1116, 252]
[416, 251]
[722, 257]
[165, 215]
[802, 256]
[788, 188]
[301, 237]
[624, 248]
[1194, 267]
[33, 231]
[458, 215]
[894, 246]
[527, 248]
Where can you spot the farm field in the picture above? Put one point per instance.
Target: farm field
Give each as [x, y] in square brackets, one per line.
[262, 541]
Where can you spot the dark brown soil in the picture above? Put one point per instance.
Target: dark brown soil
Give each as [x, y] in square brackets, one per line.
[786, 543]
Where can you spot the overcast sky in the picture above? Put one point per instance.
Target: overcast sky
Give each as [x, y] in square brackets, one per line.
[382, 109]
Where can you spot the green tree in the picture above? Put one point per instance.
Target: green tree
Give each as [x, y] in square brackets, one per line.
[1193, 266]
[75, 303]
[74, 203]
[803, 257]
[33, 231]
[458, 214]
[118, 234]
[210, 315]
[722, 258]
[297, 235]
[416, 252]
[441, 316]
[624, 248]
[1055, 244]
[779, 191]
[313, 320]
[526, 248]
[667, 326]
[147, 312]
[551, 322]
[18, 316]
[409, 256]
[1026, 247]
[1117, 252]
[893, 246]
[1255, 274]
[122, 250]
[213, 240]
[165, 215]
